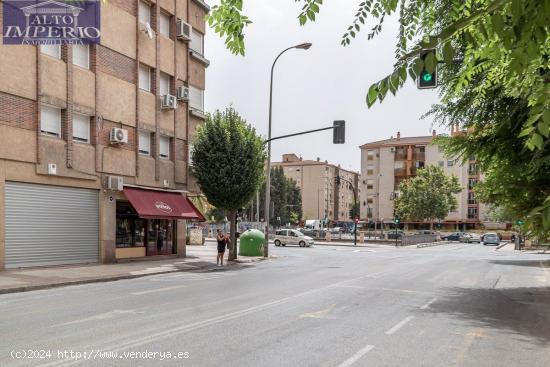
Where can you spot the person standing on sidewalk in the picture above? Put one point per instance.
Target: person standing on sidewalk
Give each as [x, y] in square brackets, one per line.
[221, 239]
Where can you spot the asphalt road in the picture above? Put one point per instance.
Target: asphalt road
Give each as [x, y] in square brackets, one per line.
[452, 305]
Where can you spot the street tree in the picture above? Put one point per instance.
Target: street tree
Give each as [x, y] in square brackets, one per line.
[489, 54]
[228, 162]
[354, 211]
[428, 196]
[285, 198]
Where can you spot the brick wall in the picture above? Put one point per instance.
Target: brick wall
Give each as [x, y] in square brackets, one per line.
[17, 111]
[115, 64]
[126, 5]
[179, 148]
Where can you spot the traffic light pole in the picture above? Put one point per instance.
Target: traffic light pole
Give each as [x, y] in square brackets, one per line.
[300, 133]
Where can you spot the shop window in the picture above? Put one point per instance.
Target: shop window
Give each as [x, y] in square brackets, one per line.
[145, 77]
[130, 229]
[145, 142]
[50, 120]
[160, 237]
[81, 56]
[164, 147]
[81, 128]
[51, 50]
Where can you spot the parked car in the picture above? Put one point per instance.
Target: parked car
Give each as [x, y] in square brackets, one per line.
[425, 231]
[491, 239]
[470, 237]
[453, 236]
[393, 234]
[285, 237]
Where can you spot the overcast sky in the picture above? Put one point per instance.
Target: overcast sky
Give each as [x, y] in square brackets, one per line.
[312, 88]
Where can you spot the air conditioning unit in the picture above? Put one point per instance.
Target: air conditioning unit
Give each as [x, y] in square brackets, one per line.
[182, 93]
[169, 102]
[115, 183]
[166, 183]
[119, 136]
[183, 30]
[52, 169]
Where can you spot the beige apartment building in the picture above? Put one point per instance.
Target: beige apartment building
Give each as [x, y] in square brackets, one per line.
[385, 163]
[94, 139]
[321, 196]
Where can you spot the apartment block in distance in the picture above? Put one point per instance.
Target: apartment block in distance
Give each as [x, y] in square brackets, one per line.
[385, 163]
[94, 139]
[321, 196]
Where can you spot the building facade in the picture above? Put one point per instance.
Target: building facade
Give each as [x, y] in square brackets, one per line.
[94, 139]
[322, 197]
[385, 163]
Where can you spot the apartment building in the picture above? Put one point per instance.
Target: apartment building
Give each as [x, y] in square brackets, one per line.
[385, 163]
[94, 139]
[321, 196]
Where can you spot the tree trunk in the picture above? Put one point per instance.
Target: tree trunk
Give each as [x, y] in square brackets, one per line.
[233, 230]
[431, 225]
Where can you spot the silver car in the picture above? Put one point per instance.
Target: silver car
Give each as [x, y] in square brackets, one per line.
[491, 239]
[285, 237]
[470, 237]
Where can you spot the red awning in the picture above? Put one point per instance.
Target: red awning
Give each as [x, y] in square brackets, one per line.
[152, 204]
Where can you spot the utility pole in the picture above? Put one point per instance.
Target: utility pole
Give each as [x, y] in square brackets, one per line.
[338, 179]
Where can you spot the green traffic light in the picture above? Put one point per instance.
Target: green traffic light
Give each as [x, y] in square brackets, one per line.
[427, 77]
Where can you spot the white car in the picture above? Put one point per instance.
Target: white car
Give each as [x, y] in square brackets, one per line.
[285, 237]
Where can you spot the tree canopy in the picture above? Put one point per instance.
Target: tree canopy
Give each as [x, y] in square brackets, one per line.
[286, 198]
[228, 162]
[428, 196]
[492, 56]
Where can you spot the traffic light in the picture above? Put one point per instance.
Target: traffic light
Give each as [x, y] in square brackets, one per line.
[337, 180]
[396, 220]
[428, 76]
[339, 132]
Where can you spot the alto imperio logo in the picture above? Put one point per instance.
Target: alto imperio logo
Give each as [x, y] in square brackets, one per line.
[163, 207]
[47, 22]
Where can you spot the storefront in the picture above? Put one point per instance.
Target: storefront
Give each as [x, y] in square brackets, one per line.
[146, 222]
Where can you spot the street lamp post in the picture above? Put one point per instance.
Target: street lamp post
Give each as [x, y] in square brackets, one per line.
[302, 46]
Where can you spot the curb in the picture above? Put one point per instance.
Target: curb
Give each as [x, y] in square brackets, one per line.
[502, 245]
[29, 288]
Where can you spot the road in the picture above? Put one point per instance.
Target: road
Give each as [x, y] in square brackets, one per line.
[452, 305]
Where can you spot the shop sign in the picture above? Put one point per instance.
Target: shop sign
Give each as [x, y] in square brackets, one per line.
[51, 22]
[163, 207]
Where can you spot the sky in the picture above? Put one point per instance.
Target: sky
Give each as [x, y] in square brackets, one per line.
[315, 87]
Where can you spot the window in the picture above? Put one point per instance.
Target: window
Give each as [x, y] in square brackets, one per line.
[369, 212]
[164, 84]
[419, 164]
[144, 142]
[189, 155]
[441, 163]
[197, 42]
[370, 155]
[81, 56]
[472, 198]
[370, 169]
[51, 50]
[370, 184]
[472, 169]
[144, 12]
[164, 147]
[165, 25]
[145, 77]
[196, 98]
[450, 163]
[370, 199]
[81, 128]
[50, 121]
[472, 213]
[471, 183]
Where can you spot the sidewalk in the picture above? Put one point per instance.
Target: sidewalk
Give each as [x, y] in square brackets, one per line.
[198, 258]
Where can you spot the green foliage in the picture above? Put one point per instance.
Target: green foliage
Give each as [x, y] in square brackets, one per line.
[428, 196]
[228, 160]
[354, 211]
[285, 198]
[216, 215]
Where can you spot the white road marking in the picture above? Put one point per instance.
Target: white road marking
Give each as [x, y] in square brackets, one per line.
[399, 325]
[147, 339]
[101, 316]
[425, 306]
[318, 314]
[157, 290]
[354, 358]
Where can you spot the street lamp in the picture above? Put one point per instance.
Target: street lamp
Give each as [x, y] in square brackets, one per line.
[301, 46]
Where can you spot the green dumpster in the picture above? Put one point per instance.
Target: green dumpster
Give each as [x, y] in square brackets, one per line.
[252, 243]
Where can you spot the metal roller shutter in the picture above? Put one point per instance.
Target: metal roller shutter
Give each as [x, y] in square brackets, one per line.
[50, 225]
